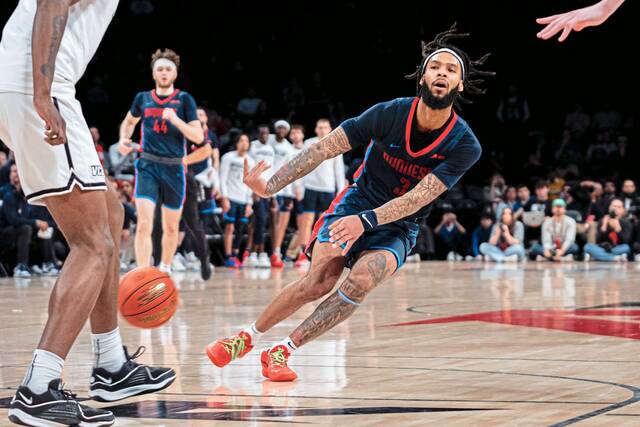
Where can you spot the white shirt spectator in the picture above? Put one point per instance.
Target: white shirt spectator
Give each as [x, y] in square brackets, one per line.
[260, 151]
[231, 174]
[328, 177]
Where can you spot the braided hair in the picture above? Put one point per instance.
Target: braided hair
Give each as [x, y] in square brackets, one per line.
[473, 77]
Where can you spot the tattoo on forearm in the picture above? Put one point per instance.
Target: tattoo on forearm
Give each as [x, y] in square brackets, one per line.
[421, 195]
[59, 22]
[330, 146]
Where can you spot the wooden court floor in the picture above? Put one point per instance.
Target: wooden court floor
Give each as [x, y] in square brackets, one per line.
[443, 344]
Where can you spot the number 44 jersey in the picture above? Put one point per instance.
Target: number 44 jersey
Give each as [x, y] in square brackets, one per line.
[399, 155]
[157, 135]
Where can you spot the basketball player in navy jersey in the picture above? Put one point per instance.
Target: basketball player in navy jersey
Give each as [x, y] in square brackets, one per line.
[417, 149]
[46, 46]
[169, 119]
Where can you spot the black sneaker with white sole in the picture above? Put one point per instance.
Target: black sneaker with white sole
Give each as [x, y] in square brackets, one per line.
[133, 379]
[55, 407]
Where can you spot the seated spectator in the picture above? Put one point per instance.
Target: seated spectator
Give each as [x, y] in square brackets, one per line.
[121, 165]
[509, 201]
[505, 243]
[17, 227]
[524, 197]
[540, 203]
[481, 234]
[452, 237]
[558, 236]
[614, 236]
[630, 199]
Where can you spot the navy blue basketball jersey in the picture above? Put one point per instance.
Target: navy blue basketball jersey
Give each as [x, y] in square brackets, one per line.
[394, 164]
[209, 138]
[158, 136]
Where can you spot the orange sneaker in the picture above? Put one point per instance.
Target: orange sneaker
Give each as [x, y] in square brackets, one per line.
[274, 364]
[222, 352]
[302, 260]
[276, 262]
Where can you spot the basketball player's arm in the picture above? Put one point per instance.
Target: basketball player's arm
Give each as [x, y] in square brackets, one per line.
[126, 130]
[307, 160]
[48, 28]
[192, 130]
[202, 153]
[427, 190]
[577, 20]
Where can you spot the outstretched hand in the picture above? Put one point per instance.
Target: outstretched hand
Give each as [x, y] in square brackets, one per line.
[346, 231]
[253, 178]
[575, 20]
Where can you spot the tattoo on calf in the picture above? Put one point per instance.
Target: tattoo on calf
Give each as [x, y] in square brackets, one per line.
[332, 311]
[330, 146]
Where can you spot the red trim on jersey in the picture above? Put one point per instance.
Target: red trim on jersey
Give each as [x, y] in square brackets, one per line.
[320, 222]
[434, 144]
[358, 172]
[167, 99]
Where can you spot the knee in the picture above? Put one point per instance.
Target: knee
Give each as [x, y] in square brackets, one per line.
[144, 227]
[357, 286]
[99, 248]
[314, 288]
[171, 229]
[483, 248]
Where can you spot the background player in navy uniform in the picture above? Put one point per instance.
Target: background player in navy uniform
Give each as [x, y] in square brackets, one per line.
[417, 149]
[168, 119]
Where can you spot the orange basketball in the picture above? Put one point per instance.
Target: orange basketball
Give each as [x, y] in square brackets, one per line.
[147, 297]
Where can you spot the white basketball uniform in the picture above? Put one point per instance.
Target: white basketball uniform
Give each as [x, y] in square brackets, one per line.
[283, 153]
[47, 170]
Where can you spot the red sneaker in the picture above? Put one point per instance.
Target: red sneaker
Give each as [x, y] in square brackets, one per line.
[276, 262]
[221, 352]
[245, 256]
[302, 260]
[274, 364]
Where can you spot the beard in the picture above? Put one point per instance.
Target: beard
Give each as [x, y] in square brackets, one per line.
[437, 102]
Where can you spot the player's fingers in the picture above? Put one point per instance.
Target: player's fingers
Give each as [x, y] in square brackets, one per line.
[339, 236]
[549, 19]
[565, 33]
[344, 238]
[549, 31]
[336, 224]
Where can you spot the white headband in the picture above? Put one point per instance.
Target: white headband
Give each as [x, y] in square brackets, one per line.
[444, 49]
[164, 62]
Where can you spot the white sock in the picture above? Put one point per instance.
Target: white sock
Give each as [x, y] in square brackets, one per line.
[44, 367]
[254, 333]
[276, 251]
[108, 351]
[164, 268]
[288, 344]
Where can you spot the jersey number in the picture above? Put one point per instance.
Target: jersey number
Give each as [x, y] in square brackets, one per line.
[160, 127]
[403, 188]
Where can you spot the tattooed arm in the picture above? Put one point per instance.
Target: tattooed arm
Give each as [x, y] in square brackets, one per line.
[328, 147]
[420, 196]
[48, 28]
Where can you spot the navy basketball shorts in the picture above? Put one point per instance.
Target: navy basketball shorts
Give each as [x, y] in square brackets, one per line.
[397, 237]
[235, 213]
[156, 180]
[285, 204]
[316, 201]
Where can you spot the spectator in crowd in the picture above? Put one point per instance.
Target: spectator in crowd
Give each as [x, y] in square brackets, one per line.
[17, 226]
[481, 234]
[506, 241]
[452, 237]
[558, 236]
[283, 202]
[236, 198]
[121, 165]
[497, 189]
[614, 236]
[577, 122]
[5, 170]
[260, 150]
[610, 192]
[95, 135]
[630, 199]
[510, 200]
[524, 197]
[540, 203]
[297, 139]
[3, 158]
[320, 187]
[251, 106]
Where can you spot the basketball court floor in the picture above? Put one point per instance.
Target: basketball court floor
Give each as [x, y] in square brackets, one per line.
[446, 344]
